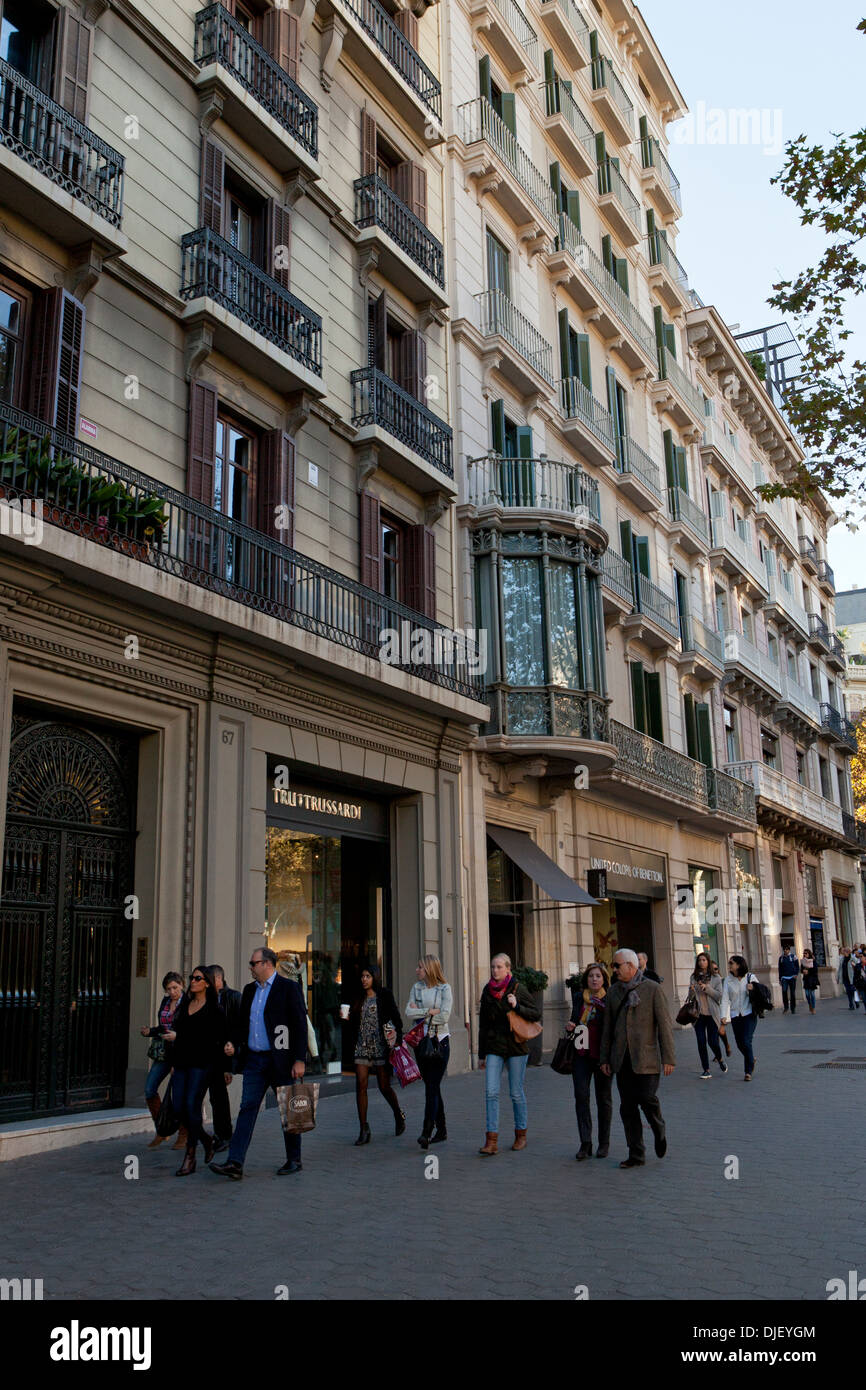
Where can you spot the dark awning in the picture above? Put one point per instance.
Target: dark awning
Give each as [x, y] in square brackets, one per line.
[539, 866]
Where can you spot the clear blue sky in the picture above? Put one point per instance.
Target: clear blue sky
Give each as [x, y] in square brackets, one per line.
[739, 235]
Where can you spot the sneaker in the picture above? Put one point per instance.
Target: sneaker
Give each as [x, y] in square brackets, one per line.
[722, 1064]
[706, 1076]
[748, 1076]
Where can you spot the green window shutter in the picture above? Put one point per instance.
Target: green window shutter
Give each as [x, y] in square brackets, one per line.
[681, 467]
[564, 345]
[524, 441]
[650, 222]
[556, 183]
[670, 339]
[625, 540]
[584, 370]
[638, 696]
[484, 84]
[600, 147]
[670, 458]
[614, 159]
[644, 129]
[705, 738]
[593, 44]
[497, 426]
[659, 324]
[610, 378]
[642, 555]
[572, 206]
[655, 727]
[549, 70]
[691, 726]
[509, 111]
[607, 255]
[620, 272]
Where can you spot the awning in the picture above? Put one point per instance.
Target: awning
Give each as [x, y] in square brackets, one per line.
[526, 854]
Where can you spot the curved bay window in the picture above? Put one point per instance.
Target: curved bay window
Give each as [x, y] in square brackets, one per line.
[538, 598]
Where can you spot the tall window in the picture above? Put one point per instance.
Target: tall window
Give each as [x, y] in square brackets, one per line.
[769, 749]
[235, 453]
[802, 768]
[647, 701]
[524, 632]
[824, 772]
[498, 266]
[732, 735]
[562, 652]
[773, 647]
[14, 306]
[27, 39]
[392, 559]
[813, 885]
[706, 914]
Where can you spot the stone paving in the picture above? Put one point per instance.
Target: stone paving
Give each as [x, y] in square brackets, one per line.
[365, 1223]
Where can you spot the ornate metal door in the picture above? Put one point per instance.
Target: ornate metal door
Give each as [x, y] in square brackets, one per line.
[64, 935]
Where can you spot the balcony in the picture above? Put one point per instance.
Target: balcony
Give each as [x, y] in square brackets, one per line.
[854, 830]
[826, 577]
[751, 673]
[545, 487]
[787, 808]
[675, 393]
[561, 726]
[798, 712]
[526, 358]
[653, 618]
[719, 448]
[667, 274]
[586, 424]
[781, 605]
[567, 24]
[591, 285]
[840, 730]
[494, 158]
[413, 442]
[617, 204]
[132, 534]
[254, 321]
[689, 529]
[731, 552]
[407, 254]
[256, 96]
[509, 33]
[617, 585]
[808, 554]
[611, 101]
[702, 652]
[773, 514]
[732, 799]
[838, 657]
[659, 179]
[568, 128]
[657, 778]
[637, 477]
[375, 44]
[820, 636]
[57, 173]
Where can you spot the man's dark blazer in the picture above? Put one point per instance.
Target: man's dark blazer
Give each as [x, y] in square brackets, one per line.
[285, 1008]
[230, 1002]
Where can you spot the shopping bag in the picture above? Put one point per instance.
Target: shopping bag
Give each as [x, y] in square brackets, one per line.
[405, 1065]
[414, 1036]
[298, 1106]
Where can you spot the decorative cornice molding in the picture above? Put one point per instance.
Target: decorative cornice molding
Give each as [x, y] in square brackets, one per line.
[197, 347]
[85, 269]
[333, 32]
[210, 107]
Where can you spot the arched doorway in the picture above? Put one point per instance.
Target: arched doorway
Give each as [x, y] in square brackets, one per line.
[64, 937]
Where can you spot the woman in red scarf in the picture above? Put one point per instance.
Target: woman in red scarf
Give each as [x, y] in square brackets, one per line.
[499, 1050]
[587, 1017]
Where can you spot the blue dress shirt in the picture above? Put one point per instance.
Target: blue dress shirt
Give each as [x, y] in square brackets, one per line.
[258, 1040]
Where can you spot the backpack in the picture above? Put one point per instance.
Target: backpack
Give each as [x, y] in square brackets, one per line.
[760, 998]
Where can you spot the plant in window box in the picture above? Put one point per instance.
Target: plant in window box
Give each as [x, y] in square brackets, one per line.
[535, 982]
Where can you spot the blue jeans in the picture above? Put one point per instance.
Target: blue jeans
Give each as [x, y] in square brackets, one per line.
[188, 1086]
[789, 993]
[706, 1031]
[155, 1077]
[516, 1068]
[432, 1071]
[259, 1075]
[810, 997]
[849, 990]
[744, 1026]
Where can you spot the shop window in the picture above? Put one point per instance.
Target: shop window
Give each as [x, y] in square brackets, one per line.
[748, 886]
[706, 911]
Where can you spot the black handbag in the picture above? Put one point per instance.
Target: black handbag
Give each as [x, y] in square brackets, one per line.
[563, 1055]
[428, 1047]
[691, 1010]
[167, 1122]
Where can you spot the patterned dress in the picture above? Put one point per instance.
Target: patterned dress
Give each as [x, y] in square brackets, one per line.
[368, 1048]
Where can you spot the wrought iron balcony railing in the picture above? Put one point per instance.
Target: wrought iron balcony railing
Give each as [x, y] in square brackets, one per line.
[671, 371]
[499, 316]
[853, 829]
[54, 143]
[647, 760]
[376, 204]
[654, 157]
[610, 180]
[825, 574]
[478, 121]
[578, 403]
[105, 501]
[655, 603]
[683, 508]
[616, 575]
[697, 637]
[837, 651]
[391, 43]
[631, 458]
[808, 551]
[820, 631]
[558, 101]
[573, 241]
[520, 27]
[540, 484]
[604, 75]
[377, 400]
[548, 711]
[212, 268]
[661, 253]
[221, 38]
[730, 795]
[839, 726]
[575, 18]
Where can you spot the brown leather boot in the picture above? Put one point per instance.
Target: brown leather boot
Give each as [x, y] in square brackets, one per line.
[182, 1138]
[188, 1165]
[519, 1139]
[154, 1107]
[490, 1145]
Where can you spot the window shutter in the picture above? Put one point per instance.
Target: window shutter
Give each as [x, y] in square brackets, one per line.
[655, 727]
[275, 486]
[371, 541]
[607, 253]
[280, 36]
[56, 374]
[524, 441]
[413, 364]
[650, 223]
[497, 426]
[620, 272]
[572, 206]
[71, 80]
[213, 173]
[407, 23]
[643, 128]
[46, 341]
[670, 338]
[418, 191]
[584, 369]
[600, 147]
[556, 183]
[670, 458]
[402, 179]
[279, 231]
[509, 112]
[564, 344]
[704, 734]
[421, 570]
[549, 71]
[593, 45]
[368, 144]
[642, 555]
[610, 377]
[69, 362]
[659, 323]
[201, 461]
[691, 726]
[681, 468]
[378, 333]
[485, 87]
[625, 542]
[638, 696]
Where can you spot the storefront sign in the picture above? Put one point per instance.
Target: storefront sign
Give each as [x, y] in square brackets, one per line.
[629, 870]
[816, 931]
[318, 805]
[330, 809]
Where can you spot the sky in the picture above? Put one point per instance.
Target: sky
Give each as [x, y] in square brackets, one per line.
[804, 69]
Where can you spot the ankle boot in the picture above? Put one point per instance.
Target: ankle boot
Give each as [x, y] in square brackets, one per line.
[208, 1143]
[399, 1121]
[519, 1139]
[182, 1139]
[364, 1136]
[153, 1105]
[439, 1135]
[490, 1144]
[188, 1165]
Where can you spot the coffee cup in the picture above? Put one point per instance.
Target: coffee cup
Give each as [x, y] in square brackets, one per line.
[344, 1011]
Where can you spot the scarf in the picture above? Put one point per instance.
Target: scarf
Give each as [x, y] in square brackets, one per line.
[592, 1006]
[632, 1000]
[499, 988]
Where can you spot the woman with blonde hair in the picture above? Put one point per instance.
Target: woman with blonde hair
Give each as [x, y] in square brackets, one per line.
[500, 1050]
[431, 1001]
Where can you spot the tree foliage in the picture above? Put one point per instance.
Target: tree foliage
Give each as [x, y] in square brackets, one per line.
[858, 770]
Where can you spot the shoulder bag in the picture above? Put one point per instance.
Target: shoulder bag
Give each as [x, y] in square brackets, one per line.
[691, 1010]
[428, 1046]
[563, 1056]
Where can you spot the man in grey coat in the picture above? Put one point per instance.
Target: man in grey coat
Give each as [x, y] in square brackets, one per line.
[637, 1025]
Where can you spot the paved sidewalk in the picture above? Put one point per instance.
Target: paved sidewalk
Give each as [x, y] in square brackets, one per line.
[367, 1223]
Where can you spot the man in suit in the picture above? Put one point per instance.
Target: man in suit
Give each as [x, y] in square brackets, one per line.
[637, 1024]
[230, 1002]
[271, 1041]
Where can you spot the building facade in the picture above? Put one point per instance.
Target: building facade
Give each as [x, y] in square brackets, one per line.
[851, 617]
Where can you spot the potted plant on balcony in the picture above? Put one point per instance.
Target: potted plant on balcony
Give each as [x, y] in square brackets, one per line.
[535, 982]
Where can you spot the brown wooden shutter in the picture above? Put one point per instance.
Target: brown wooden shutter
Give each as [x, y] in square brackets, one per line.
[279, 230]
[46, 339]
[401, 181]
[420, 578]
[55, 386]
[420, 392]
[69, 363]
[412, 359]
[276, 485]
[371, 541]
[407, 23]
[72, 67]
[418, 192]
[213, 176]
[280, 37]
[368, 144]
[201, 462]
[378, 326]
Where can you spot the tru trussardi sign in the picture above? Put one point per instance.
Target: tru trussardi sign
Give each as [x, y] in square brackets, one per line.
[629, 870]
[317, 805]
[329, 808]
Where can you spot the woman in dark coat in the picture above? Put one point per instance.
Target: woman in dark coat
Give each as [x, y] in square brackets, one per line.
[499, 1050]
[376, 1031]
[588, 1004]
[809, 972]
[199, 1034]
[160, 1051]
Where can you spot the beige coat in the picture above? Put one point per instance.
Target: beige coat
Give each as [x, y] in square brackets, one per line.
[644, 1029]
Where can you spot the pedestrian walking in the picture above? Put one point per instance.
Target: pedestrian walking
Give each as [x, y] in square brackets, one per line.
[707, 989]
[637, 1027]
[198, 1032]
[810, 979]
[229, 1001]
[737, 1009]
[722, 1030]
[588, 1002]
[290, 965]
[845, 976]
[643, 965]
[500, 1050]
[789, 969]
[430, 1001]
[860, 979]
[159, 1053]
[376, 1029]
[270, 1042]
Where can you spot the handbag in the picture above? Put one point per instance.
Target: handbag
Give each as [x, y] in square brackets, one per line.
[414, 1036]
[404, 1065]
[167, 1121]
[523, 1030]
[156, 1051]
[298, 1106]
[563, 1056]
[428, 1044]
[691, 1010]
[760, 998]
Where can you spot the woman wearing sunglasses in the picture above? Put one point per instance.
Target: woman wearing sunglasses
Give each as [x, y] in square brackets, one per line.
[199, 1033]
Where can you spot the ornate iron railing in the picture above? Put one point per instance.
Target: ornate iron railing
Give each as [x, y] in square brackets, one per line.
[654, 157]
[54, 143]
[730, 795]
[548, 711]
[655, 603]
[573, 241]
[221, 38]
[394, 46]
[578, 403]
[577, 21]
[839, 726]
[646, 760]
[497, 314]
[616, 575]
[604, 75]
[377, 400]
[477, 120]
[837, 651]
[661, 253]
[631, 458]
[558, 101]
[105, 501]
[610, 180]
[697, 637]
[808, 551]
[376, 204]
[825, 574]
[520, 27]
[819, 630]
[670, 370]
[683, 508]
[853, 829]
[540, 484]
[211, 268]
